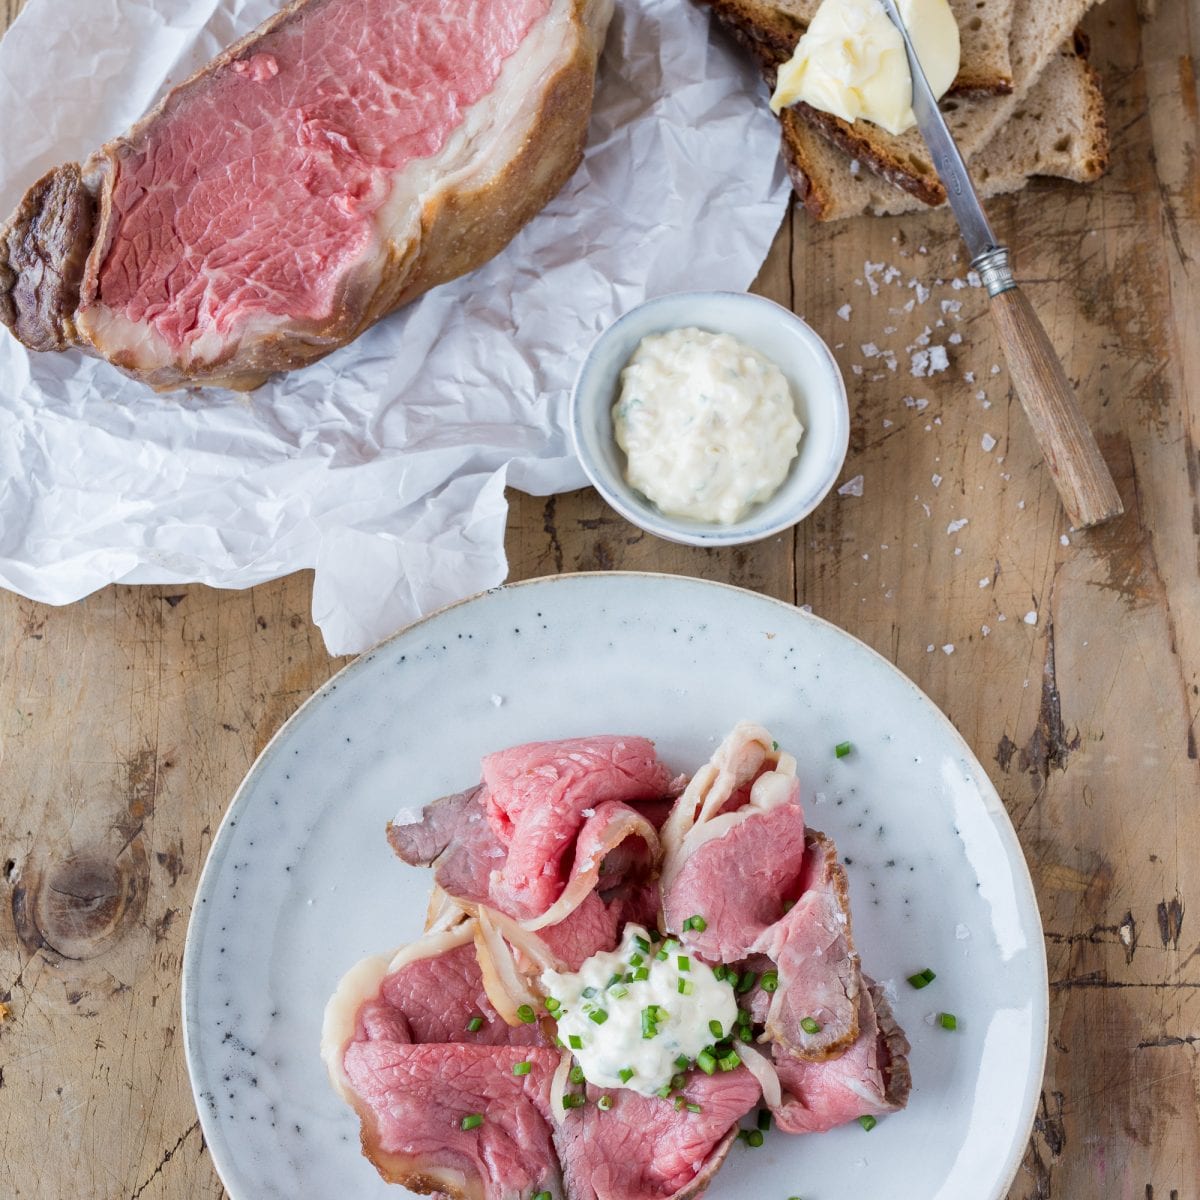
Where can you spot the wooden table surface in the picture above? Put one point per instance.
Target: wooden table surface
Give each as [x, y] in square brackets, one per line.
[1071, 663]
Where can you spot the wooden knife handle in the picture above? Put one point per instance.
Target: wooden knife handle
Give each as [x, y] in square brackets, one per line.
[1083, 480]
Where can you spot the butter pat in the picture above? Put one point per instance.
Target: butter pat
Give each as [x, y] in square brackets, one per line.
[851, 61]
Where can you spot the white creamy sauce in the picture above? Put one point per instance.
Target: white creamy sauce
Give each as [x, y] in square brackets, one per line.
[618, 1042]
[708, 425]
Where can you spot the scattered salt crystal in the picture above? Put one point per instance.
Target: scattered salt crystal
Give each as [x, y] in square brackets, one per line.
[957, 551]
[936, 480]
[870, 350]
[887, 424]
[988, 443]
[866, 558]
[938, 359]
[985, 629]
[844, 312]
[1030, 617]
[852, 487]
[937, 420]
[926, 508]
[955, 338]
[969, 376]
[995, 369]
[855, 166]
[1003, 617]
[806, 608]
[909, 305]
[955, 526]
[1021, 505]
[973, 279]
[985, 582]
[929, 649]
[951, 306]
[889, 329]
[1064, 540]
[921, 290]
[497, 701]
[919, 366]
[957, 284]
[856, 368]
[981, 394]
[948, 649]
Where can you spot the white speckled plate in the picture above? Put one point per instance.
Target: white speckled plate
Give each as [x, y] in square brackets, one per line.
[301, 883]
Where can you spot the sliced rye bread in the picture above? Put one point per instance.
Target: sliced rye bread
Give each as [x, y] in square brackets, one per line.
[775, 26]
[1039, 28]
[1059, 129]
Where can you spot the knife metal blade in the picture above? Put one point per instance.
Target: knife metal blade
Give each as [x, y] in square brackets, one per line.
[987, 255]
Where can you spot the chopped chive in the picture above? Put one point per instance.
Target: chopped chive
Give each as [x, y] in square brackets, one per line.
[599, 1016]
[649, 1024]
[576, 1075]
[471, 1121]
[664, 1091]
[604, 1103]
[543, 1196]
[642, 944]
[559, 1042]
[722, 1048]
[625, 1074]
[729, 1061]
[575, 1040]
[774, 745]
[810, 1026]
[613, 979]
[683, 963]
[588, 992]
[683, 1062]
[552, 1005]
[658, 1011]
[522, 1068]
[868, 1123]
[573, 1101]
[764, 1119]
[619, 993]
[948, 1021]
[697, 922]
[693, 1108]
[842, 749]
[752, 1137]
[678, 1081]
[642, 974]
[679, 1103]
[706, 1062]
[714, 1027]
[769, 981]
[746, 982]
[719, 971]
[526, 1014]
[662, 956]
[636, 960]
[922, 979]
[686, 987]
[475, 1024]
[671, 946]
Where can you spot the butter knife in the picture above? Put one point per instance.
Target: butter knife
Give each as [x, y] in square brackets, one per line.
[1080, 474]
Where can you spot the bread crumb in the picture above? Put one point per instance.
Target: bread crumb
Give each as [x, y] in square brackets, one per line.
[852, 487]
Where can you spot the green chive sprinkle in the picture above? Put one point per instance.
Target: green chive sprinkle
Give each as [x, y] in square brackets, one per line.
[522, 1068]
[679, 1103]
[625, 1074]
[948, 1021]
[588, 992]
[576, 1075]
[693, 1108]
[643, 973]
[604, 1103]
[552, 1005]
[842, 749]
[664, 1091]
[706, 1062]
[868, 1123]
[649, 1024]
[714, 1027]
[619, 993]
[543, 1196]
[613, 980]
[526, 1014]
[599, 1016]
[810, 1026]
[683, 1062]
[746, 982]
[752, 1137]
[764, 1119]
[642, 945]
[662, 956]
[475, 1024]
[698, 923]
[573, 1101]
[729, 1061]
[636, 960]
[471, 1121]
[774, 745]
[575, 1040]
[678, 1081]
[686, 987]
[922, 979]
[683, 963]
[769, 981]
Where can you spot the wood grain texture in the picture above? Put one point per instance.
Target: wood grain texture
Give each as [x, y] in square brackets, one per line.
[127, 720]
[1068, 447]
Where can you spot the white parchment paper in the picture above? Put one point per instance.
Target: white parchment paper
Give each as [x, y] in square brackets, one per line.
[383, 467]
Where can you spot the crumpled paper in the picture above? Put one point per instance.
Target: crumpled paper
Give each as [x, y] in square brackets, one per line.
[383, 467]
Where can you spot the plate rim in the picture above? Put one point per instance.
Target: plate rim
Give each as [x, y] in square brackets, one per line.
[993, 804]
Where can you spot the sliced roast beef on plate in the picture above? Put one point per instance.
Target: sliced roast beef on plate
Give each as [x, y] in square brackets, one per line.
[339, 161]
[704, 966]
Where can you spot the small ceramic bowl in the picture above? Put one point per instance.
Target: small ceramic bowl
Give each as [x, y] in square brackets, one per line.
[774, 332]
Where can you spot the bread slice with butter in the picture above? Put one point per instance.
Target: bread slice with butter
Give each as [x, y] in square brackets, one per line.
[1059, 130]
[983, 27]
[1038, 29]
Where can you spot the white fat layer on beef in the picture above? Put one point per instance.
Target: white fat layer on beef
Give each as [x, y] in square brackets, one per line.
[362, 983]
[491, 134]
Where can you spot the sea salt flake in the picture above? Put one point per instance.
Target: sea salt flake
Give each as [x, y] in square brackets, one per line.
[985, 582]
[497, 701]
[985, 629]
[887, 424]
[929, 648]
[1030, 617]
[844, 312]
[955, 526]
[870, 350]
[1064, 540]
[852, 487]
[951, 306]
[973, 279]
[955, 339]
[938, 359]
[806, 608]
[948, 649]
[1021, 505]
[936, 480]
[995, 369]
[969, 377]
[988, 443]
[957, 551]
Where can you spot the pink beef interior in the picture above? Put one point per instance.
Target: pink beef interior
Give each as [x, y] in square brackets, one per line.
[255, 194]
